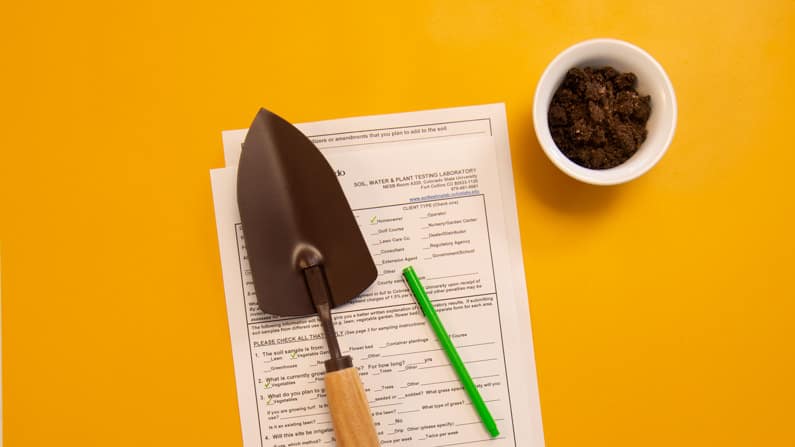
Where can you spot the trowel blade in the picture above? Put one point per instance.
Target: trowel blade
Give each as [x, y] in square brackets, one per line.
[294, 214]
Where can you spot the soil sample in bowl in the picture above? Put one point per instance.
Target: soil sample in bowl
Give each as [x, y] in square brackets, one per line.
[597, 118]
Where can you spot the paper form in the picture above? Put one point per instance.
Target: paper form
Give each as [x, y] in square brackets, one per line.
[426, 190]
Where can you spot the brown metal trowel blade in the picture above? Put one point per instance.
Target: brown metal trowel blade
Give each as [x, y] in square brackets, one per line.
[295, 215]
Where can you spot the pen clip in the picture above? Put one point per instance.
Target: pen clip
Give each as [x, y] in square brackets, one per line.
[411, 292]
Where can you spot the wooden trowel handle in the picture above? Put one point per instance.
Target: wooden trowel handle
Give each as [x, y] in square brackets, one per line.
[350, 413]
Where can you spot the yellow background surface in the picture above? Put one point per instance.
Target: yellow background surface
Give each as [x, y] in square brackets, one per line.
[663, 310]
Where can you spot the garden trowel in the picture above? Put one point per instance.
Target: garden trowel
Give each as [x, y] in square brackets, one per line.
[306, 252]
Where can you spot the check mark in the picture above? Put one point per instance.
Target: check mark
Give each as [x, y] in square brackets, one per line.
[374, 219]
[269, 401]
[293, 354]
[267, 384]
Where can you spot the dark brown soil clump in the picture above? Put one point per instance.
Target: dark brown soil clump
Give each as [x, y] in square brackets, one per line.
[597, 118]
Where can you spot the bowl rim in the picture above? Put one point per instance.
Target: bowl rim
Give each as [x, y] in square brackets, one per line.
[544, 136]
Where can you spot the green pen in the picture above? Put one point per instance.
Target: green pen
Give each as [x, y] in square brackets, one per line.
[427, 309]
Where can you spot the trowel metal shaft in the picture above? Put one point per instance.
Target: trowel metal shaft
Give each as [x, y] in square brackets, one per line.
[318, 289]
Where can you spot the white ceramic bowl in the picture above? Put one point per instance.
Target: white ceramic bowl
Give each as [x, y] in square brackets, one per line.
[652, 80]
